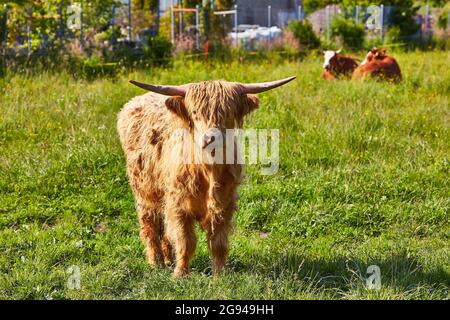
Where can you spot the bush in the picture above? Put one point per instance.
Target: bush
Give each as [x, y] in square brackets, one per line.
[220, 49]
[351, 35]
[303, 31]
[127, 53]
[393, 35]
[443, 20]
[184, 44]
[158, 50]
[2, 24]
[93, 67]
[286, 46]
[403, 18]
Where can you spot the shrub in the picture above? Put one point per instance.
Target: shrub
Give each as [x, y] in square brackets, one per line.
[287, 45]
[402, 16]
[158, 50]
[443, 20]
[304, 33]
[351, 35]
[93, 67]
[393, 35]
[220, 49]
[184, 44]
[128, 53]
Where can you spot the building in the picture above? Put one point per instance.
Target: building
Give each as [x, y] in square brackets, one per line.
[256, 12]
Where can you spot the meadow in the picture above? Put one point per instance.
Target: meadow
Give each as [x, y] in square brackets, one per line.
[363, 180]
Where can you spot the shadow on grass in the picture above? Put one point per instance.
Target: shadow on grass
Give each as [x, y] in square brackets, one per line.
[344, 273]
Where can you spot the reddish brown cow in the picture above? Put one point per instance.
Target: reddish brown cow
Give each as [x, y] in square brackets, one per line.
[378, 65]
[335, 65]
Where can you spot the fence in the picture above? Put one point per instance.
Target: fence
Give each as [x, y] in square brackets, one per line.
[28, 28]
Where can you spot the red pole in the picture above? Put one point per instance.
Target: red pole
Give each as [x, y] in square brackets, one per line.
[206, 50]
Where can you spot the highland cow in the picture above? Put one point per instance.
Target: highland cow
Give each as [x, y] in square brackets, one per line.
[172, 196]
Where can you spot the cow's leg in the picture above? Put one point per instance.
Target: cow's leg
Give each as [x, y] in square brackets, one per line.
[150, 221]
[166, 248]
[218, 227]
[217, 237]
[180, 230]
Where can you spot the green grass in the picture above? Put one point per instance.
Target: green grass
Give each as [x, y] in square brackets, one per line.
[363, 180]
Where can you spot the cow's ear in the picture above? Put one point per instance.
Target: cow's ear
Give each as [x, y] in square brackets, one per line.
[176, 105]
[250, 103]
[383, 51]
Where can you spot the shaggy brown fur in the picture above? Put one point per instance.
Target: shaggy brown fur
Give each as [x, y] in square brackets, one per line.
[171, 197]
[378, 65]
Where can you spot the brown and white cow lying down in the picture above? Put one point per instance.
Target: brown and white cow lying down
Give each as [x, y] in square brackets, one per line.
[170, 196]
[336, 65]
[378, 65]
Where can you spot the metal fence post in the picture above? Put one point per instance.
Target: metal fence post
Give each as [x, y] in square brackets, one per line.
[129, 20]
[327, 18]
[197, 28]
[381, 21]
[172, 24]
[180, 15]
[427, 19]
[29, 29]
[236, 22]
[300, 12]
[113, 17]
[5, 23]
[448, 19]
[61, 28]
[269, 22]
[81, 25]
[356, 15]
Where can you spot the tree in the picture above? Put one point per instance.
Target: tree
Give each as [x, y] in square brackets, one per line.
[304, 33]
[144, 14]
[401, 14]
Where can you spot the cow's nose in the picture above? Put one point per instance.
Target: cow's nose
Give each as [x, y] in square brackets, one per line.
[207, 140]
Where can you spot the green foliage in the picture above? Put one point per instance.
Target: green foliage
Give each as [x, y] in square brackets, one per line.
[403, 18]
[125, 53]
[2, 25]
[144, 14]
[303, 31]
[107, 36]
[94, 67]
[352, 35]
[158, 50]
[150, 5]
[43, 17]
[401, 15]
[312, 5]
[393, 35]
[443, 20]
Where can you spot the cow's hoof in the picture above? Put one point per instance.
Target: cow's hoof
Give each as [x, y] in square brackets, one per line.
[180, 273]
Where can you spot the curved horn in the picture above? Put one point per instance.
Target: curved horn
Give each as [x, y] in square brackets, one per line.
[254, 88]
[165, 90]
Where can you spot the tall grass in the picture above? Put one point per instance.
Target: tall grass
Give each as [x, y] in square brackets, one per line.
[363, 180]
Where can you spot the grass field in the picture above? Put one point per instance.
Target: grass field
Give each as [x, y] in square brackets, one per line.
[363, 180]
